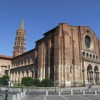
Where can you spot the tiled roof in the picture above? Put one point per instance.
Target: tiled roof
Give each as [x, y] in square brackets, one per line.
[4, 56]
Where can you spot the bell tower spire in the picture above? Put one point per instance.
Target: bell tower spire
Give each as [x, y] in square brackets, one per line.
[22, 24]
[20, 40]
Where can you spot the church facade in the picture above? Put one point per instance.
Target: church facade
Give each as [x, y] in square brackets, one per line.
[68, 55]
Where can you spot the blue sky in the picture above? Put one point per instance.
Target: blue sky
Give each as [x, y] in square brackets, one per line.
[43, 15]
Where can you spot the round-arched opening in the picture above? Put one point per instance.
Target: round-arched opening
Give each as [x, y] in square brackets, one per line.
[83, 53]
[70, 69]
[89, 74]
[96, 74]
[87, 54]
[96, 68]
[89, 68]
[93, 56]
[90, 55]
[87, 41]
[96, 57]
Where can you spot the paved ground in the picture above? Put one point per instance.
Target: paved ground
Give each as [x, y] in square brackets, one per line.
[63, 97]
[56, 97]
[65, 94]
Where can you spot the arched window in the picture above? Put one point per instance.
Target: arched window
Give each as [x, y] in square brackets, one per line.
[83, 53]
[90, 55]
[93, 56]
[89, 68]
[96, 57]
[96, 68]
[70, 69]
[87, 55]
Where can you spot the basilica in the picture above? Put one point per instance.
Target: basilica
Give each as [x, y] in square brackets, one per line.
[68, 55]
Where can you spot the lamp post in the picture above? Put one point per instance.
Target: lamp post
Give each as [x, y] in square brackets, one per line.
[6, 95]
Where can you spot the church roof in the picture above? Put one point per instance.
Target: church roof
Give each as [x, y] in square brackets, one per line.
[23, 53]
[46, 34]
[50, 30]
[4, 56]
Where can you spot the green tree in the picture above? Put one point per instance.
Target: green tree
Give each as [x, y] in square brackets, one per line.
[4, 80]
[5, 77]
[47, 83]
[0, 80]
[27, 81]
[36, 82]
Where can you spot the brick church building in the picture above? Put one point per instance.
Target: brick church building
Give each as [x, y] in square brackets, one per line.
[68, 55]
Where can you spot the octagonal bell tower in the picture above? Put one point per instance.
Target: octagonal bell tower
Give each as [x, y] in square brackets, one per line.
[20, 41]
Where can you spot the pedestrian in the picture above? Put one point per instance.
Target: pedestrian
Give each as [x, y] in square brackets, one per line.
[89, 85]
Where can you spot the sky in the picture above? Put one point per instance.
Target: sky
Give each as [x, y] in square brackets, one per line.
[41, 16]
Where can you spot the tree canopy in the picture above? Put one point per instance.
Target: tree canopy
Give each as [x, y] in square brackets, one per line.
[27, 81]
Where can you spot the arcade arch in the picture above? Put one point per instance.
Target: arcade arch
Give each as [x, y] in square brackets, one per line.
[93, 74]
[96, 74]
[89, 73]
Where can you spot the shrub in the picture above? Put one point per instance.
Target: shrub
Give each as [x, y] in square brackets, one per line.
[36, 82]
[27, 81]
[17, 83]
[47, 83]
